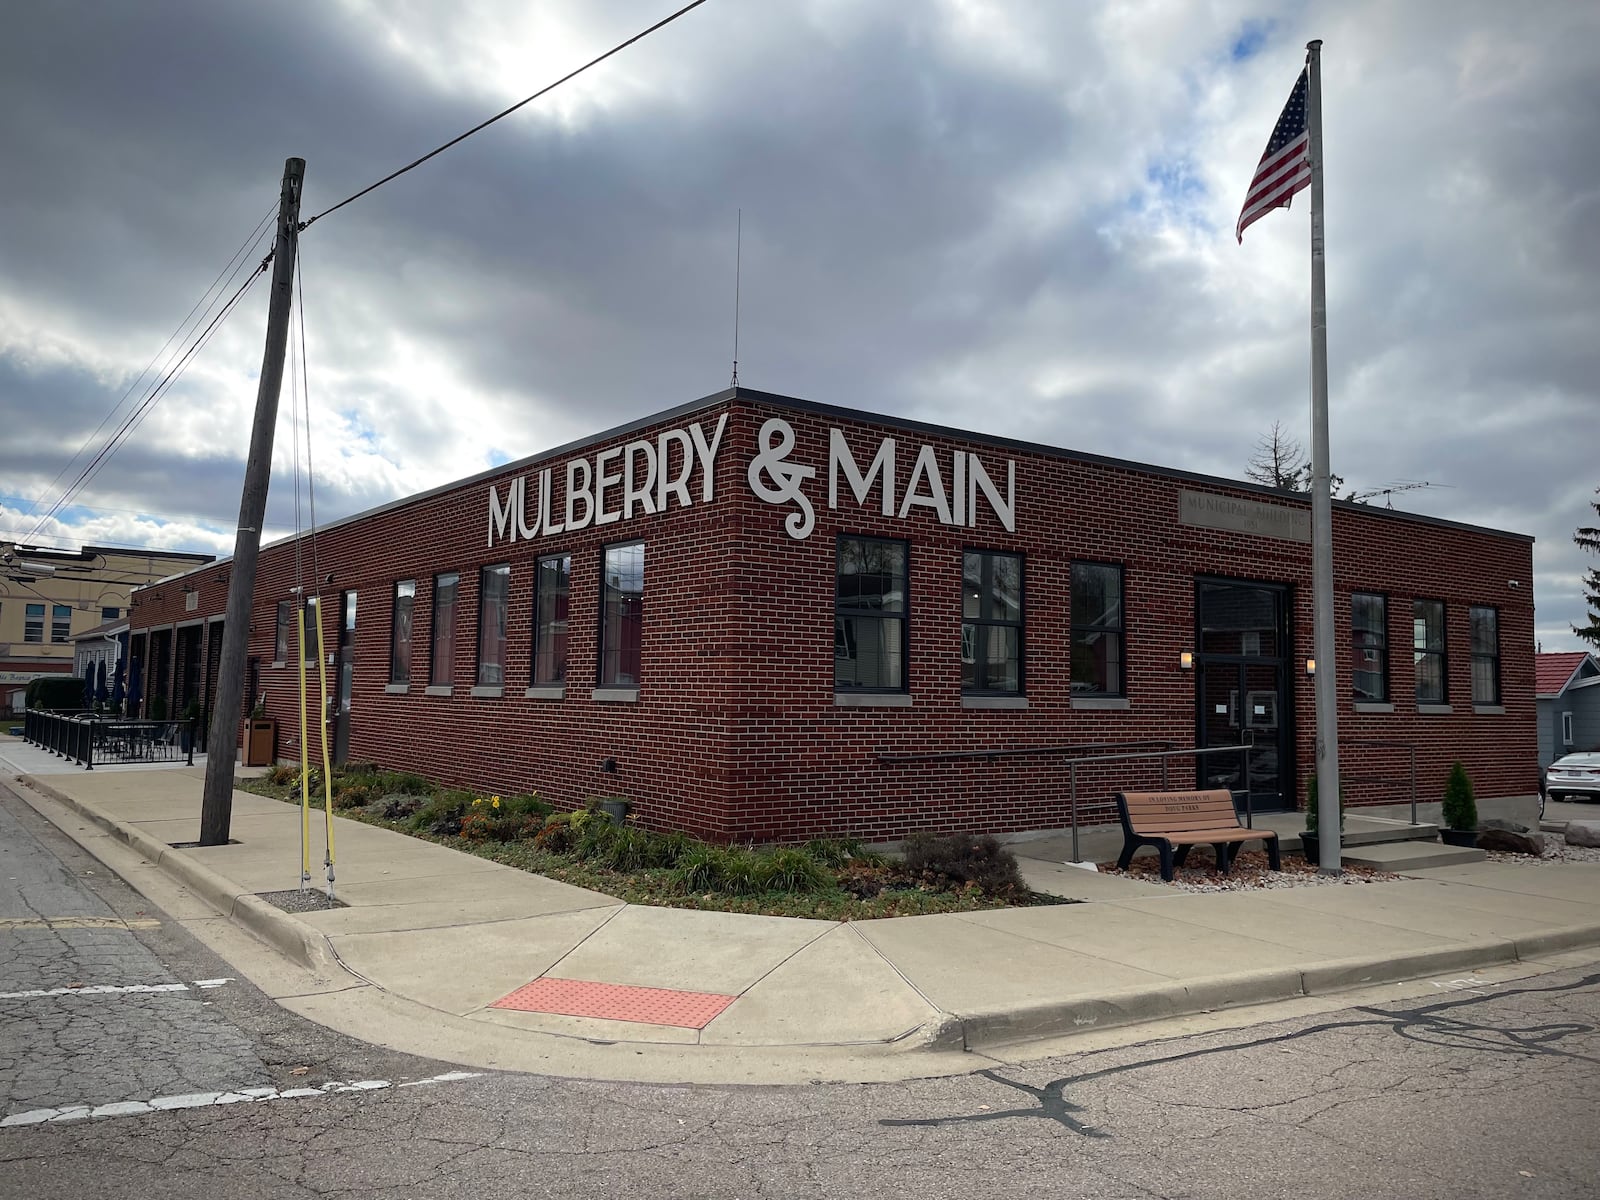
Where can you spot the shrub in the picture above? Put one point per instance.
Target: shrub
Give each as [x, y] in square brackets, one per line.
[1460, 806]
[955, 860]
[282, 773]
[832, 852]
[793, 871]
[1311, 804]
[724, 869]
[352, 796]
[441, 816]
[557, 836]
[398, 808]
[57, 692]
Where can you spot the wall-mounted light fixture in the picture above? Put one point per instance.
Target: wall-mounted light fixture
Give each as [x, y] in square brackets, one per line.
[1311, 666]
[1186, 660]
[608, 765]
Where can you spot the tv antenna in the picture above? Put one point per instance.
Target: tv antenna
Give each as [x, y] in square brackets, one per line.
[1387, 493]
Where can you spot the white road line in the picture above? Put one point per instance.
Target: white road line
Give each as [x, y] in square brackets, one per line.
[250, 1095]
[112, 989]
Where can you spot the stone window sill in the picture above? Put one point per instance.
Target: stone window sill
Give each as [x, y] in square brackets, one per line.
[1435, 710]
[489, 691]
[1374, 706]
[437, 689]
[546, 691]
[871, 700]
[615, 695]
[994, 702]
[1105, 702]
[1489, 710]
[397, 689]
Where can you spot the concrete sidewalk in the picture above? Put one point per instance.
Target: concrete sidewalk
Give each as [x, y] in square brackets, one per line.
[433, 938]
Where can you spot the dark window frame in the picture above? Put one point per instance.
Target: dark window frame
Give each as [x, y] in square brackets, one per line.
[979, 624]
[448, 665]
[1381, 649]
[1421, 652]
[604, 676]
[60, 625]
[497, 668]
[1119, 631]
[282, 632]
[1492, 657]
[842, 612]
[562, 617]
[33, 626]
[401, 635]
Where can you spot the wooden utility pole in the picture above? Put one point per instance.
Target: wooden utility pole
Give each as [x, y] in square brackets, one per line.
[216, 810]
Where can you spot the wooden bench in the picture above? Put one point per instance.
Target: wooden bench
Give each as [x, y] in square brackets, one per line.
[1174, 821]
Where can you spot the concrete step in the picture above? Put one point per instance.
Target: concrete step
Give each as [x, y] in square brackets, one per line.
[1410, 856]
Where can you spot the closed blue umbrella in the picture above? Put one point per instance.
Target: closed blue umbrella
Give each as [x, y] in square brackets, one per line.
[101, 694]
[135, 682]
[118, 690]
[88, 687]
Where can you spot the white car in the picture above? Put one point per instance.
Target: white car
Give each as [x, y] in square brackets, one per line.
[1573, 777]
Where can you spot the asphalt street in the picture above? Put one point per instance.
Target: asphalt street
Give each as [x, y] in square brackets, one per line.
[1482, 1088]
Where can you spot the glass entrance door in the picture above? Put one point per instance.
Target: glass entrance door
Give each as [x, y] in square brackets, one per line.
[1242, 691]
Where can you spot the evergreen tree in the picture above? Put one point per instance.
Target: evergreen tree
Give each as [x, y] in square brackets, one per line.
[1588, 536]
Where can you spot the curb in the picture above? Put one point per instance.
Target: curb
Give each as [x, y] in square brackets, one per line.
[299, 943]
[1133, 1006]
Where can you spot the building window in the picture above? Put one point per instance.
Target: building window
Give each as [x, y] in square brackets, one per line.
[1427, 644]
[33, 623]
[313, 629]
[280, 644]
[552, 578]
[1097, 630]
[1566, 729]
[1369, 647]
[622, 615]
[60, 622]
[991, 622]
[1485, 624]
[405, 594]
[110, 614]
[494, 586]
[442, 673]
[869, 616]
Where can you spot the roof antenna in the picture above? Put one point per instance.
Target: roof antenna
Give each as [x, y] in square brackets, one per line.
[738, 253]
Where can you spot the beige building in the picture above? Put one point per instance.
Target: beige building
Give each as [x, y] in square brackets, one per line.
[48, 596]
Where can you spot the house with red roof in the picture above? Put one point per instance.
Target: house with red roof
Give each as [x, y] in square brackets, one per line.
[1567, 690]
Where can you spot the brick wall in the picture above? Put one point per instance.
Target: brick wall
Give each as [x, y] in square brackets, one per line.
[736, 733]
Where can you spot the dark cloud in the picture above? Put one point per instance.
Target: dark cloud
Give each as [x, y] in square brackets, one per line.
[1016, 219]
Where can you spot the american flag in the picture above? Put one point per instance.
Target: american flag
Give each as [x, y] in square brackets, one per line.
[1285, 167]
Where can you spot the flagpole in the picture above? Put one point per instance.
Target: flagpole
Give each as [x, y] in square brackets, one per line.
[1327, 693]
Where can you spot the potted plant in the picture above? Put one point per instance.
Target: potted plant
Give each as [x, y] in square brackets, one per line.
[616, 808]
[1309, 842]
[1460, 809]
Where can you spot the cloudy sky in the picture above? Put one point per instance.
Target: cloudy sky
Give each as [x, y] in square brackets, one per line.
[1012, 216]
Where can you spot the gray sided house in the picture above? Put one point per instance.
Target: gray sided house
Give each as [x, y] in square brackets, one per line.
[1569, 704]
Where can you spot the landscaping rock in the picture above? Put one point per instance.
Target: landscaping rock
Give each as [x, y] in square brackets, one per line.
[1510, 842]
[1583, 833]
[1507, 826]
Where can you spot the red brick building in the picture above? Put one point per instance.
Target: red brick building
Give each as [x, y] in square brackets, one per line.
[766, 619]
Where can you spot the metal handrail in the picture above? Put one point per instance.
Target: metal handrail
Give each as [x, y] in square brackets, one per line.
[947, 755]
[1381, 743]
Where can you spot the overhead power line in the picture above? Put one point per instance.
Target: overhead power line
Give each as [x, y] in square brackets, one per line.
[231, 270]
[151, 397]
[477, 128]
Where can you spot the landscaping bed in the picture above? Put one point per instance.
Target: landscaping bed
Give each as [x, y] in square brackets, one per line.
[1250, 870]
[830, 880]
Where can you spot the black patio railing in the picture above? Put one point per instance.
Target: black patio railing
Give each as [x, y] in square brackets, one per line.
[89, 738]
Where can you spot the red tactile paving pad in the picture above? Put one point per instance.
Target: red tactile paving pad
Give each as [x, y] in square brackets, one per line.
[617, 1002]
